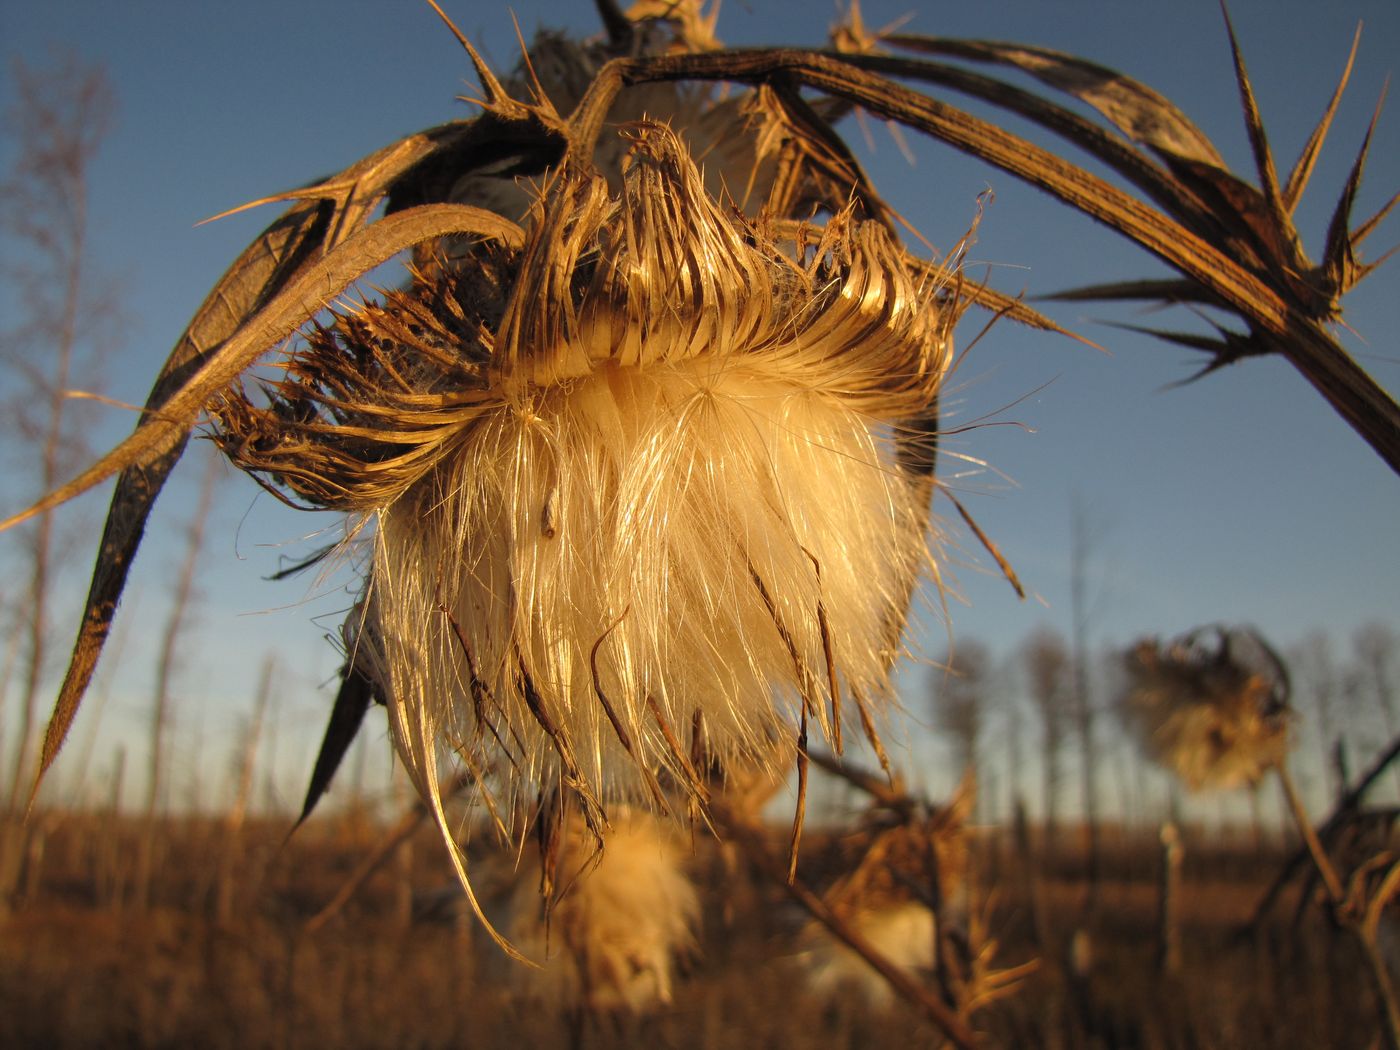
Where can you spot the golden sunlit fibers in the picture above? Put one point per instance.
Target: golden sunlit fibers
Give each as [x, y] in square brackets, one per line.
[639, 475]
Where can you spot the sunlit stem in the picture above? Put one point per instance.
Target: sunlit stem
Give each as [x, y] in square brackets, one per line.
[1335, 893]
[1387, 1003]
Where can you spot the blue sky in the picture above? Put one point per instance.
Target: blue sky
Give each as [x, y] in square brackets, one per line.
[1239, 498]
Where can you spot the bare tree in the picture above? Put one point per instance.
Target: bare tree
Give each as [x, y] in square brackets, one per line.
[960, 695]
[1375, 672]
[58, 120]
[1012, 721]
[1048, 674]
[1318, 681]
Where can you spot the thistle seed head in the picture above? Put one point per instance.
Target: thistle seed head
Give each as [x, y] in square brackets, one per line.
[1210, 706]
[633, 478]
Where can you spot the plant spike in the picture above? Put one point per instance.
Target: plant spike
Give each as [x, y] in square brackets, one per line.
[352, 701]
[1303, 168]
[497, 98]
[1166, 292]
[1226, 350]
[1281, 225]
[1338, 260]
[1368, 227]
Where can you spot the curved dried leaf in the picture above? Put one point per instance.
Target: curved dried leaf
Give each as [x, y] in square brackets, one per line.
[327, 212]
[1160, 185]
[191, 377]
[309, 292]
[1134, 108]
[280, 251]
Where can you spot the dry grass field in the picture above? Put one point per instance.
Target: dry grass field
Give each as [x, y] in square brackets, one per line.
[219, 956]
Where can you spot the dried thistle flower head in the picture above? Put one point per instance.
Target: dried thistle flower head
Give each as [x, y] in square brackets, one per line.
[622, 918]
[1231, 244]
[895, 872]
[1211, 706]
[636, 477]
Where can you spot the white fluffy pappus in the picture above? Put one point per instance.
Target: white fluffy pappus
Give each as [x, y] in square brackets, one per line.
[627, 914]
[893, 868]
[1210, 706]
[679, 507]
[652, 484]
[903, 932]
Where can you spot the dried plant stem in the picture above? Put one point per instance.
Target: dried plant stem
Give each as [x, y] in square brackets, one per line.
[373, 861]
[1347, 805]
[751, 842]
[1335, 892]
[1387, 1002]
[1303, 340]
[1384, 987]
[892, 796]
[1169, 915]
[388, 846]
[233, 819]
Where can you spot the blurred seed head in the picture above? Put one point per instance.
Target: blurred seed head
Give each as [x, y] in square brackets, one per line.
[619, 922]
[894, 872]
[1211, 706]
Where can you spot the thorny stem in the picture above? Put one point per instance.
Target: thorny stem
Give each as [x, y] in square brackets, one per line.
[1302, 340]
[1387, 1003]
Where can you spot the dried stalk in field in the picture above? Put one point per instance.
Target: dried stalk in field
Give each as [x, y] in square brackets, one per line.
[1212, 707]
[182, 594]
[642, 456]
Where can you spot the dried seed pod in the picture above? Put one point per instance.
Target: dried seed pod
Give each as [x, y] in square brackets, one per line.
[645, 467]
[1211, 706]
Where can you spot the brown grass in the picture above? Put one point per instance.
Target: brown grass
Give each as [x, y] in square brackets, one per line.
[79, 968]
